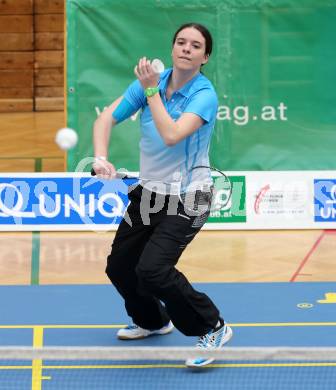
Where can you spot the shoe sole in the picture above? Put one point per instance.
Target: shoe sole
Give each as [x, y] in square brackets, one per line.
[132, 338]
[227, 338]
[159, 332]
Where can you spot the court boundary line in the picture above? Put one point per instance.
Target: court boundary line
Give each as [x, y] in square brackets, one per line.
[118, 326]
[37, 366]
[37, 363]
[172, 365]
[35, 259]
[160, 365]
[307, 256]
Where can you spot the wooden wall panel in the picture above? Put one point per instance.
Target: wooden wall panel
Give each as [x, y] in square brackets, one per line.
[49, 41]
[49, 104]
[16, 78]
[49, 92]
[16, 60]
[16, 93]
[49, 77]
[16, 55]
[16, 23]
[48, 6]
[49, 22]
[16, 41]
[15, 7]
[31, 55]
[49, 59]
[16, 105]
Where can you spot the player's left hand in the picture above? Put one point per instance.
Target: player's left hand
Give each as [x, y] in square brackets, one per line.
[146, 74]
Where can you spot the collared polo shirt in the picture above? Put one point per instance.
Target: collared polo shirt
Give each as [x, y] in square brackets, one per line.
[174, 164]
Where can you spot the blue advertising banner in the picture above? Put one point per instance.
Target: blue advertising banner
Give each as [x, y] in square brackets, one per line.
[325, 200]
[62, 201]
[78, 201]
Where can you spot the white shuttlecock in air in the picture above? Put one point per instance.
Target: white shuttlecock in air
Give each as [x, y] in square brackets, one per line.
[66, 138]
[158, 65]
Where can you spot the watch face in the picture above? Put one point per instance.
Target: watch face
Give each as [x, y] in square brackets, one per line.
[151, 91]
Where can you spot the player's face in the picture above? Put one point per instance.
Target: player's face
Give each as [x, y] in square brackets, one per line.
[189, 49]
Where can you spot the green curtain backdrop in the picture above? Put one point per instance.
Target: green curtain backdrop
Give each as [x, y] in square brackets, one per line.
[273, 68]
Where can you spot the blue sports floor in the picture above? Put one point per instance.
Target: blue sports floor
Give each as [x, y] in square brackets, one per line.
[261, 314]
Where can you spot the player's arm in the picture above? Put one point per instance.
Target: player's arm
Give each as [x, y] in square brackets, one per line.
[101, 138]
[117, 112]
[171, 131]
[121, 109]
[102, 129]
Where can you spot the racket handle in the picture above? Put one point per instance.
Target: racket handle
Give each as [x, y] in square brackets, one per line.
[119, 175]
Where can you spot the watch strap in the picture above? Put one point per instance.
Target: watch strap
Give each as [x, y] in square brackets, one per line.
[151, 91]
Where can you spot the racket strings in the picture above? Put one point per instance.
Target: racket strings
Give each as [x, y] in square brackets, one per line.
[200, 198]
[221, 190]
[198, 201]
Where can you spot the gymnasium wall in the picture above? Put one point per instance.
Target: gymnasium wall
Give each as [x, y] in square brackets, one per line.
[31, 55]
[273, 67]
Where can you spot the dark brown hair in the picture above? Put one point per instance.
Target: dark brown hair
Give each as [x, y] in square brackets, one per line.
[203, 30]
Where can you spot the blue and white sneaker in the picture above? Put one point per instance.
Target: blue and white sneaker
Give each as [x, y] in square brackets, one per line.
[215, 339]
[134, 332]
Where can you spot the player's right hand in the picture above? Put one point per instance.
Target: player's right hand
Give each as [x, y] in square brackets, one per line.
[146, 74]
[104, 169]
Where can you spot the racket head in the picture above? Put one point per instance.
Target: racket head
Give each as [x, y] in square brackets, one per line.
[221, 188]
[201, 197]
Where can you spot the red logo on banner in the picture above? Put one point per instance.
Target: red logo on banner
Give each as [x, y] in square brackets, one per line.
[260, 197]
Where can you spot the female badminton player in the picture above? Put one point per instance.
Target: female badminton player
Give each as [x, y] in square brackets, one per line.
[178, 113]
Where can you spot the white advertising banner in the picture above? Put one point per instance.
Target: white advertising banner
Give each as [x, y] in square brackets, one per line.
[77, 201]
[282, 200]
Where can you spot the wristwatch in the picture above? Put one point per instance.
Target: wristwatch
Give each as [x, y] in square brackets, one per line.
[100, 158]
[151, 91]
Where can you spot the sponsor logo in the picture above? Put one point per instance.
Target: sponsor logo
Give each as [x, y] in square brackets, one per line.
[234, 209]
[61, 200]
[260, 198]
[276, 199]
[325, 200]
[243, 115]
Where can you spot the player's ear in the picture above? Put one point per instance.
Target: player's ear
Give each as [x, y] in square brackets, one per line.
[206, 59]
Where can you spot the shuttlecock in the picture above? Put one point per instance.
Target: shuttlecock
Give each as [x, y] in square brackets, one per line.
[158, 65]
[66, 138]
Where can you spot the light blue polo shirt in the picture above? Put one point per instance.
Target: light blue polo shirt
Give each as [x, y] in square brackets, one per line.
[173, 164]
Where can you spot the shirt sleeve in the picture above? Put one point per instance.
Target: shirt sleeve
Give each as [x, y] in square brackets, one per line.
[203, 103]
[123, 111]
[134, 94]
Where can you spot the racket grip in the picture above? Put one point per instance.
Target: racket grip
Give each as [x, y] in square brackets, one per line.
[119, 175]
